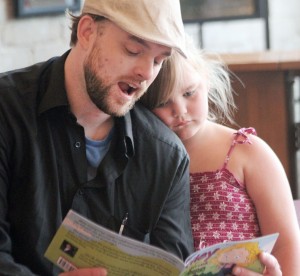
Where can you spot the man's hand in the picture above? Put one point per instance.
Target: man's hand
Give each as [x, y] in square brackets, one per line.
[86, 272]
[272, 267]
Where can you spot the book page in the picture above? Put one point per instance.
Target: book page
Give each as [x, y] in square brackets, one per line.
[80, 243]
[219, 259]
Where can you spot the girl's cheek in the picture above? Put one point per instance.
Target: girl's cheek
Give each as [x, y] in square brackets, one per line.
[165, 118]
[164, 114]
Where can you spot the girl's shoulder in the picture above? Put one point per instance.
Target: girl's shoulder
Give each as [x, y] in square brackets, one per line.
[224, 133]
[246, 135]
[251, 152]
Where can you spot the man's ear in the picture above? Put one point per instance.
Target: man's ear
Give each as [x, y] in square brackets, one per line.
[86, 31]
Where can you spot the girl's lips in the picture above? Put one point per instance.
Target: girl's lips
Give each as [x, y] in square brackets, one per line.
[181, 124]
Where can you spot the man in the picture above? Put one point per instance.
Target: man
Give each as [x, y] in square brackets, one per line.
[70, 138]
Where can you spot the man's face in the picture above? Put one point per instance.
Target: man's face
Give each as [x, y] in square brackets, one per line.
[120, 67]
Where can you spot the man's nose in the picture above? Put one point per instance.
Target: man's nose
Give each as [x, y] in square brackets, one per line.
[144, 69]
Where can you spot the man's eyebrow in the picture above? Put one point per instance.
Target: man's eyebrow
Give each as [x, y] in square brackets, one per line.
[145, 44]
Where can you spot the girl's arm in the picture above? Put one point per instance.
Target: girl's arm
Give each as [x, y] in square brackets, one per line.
[268, 186]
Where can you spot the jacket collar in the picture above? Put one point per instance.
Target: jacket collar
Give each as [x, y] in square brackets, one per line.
[52, 84]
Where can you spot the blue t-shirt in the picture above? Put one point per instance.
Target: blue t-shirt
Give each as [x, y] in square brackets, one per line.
[95, 152]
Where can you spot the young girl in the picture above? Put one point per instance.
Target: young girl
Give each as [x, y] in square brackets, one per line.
[239, 189]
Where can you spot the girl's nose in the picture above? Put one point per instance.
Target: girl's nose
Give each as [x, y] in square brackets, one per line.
[179, 108]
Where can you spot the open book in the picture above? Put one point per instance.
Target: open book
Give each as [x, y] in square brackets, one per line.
[81, 243]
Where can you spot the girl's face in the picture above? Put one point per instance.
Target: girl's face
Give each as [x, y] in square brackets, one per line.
[187, 109]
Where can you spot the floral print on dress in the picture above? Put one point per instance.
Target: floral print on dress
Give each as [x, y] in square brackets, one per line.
[221, 209]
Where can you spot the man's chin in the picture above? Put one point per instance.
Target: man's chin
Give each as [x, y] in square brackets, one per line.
[121, 110]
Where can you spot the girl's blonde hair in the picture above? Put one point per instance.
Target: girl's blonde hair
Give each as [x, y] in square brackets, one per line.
[220, 94]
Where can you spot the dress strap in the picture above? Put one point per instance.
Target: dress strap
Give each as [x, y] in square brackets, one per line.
[240, 137]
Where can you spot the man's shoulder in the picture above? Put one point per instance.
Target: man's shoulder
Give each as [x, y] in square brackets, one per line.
[150, 127]
[23, 78]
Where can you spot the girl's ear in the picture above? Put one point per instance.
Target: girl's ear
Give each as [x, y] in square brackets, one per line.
[86, 31]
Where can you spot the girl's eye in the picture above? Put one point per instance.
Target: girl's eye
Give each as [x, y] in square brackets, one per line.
[161, 105]
[189, 93]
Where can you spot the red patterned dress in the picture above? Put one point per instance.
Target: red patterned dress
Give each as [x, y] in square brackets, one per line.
[221, 209]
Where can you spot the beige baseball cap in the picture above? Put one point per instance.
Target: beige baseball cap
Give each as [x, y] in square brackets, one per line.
[157, 21]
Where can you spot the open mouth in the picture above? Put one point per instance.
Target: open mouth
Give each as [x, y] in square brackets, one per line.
[126, 88]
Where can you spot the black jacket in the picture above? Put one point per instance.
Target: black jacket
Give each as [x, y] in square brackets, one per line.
[43, 173]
